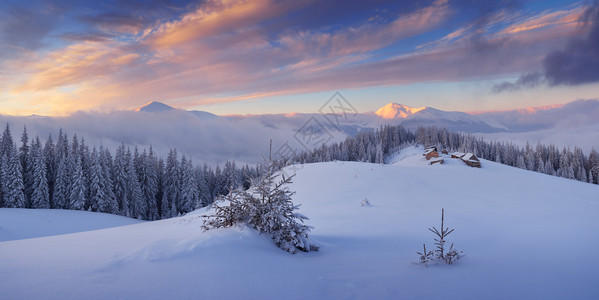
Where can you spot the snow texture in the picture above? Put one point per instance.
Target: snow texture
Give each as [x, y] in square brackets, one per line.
[525, 235]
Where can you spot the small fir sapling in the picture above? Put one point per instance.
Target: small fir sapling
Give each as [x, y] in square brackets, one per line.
[365, 202]
[425, 256]
[266, 207]
[441, 235]
[449, 257]
[452, 255]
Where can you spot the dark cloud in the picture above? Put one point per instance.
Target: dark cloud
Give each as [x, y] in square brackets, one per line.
[115, 22]
[577, 63]
[129, 16]
[332, 15]
[27, 23]
[485, 14]
[24, 27]
[526, 81]
[86, 37]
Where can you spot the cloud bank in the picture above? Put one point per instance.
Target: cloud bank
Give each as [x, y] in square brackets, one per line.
[121, 54]
[577, 63]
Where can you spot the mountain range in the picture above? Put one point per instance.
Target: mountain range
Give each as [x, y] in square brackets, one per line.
[159, 107]
[576, 113]
[206, 137]
[412, 118]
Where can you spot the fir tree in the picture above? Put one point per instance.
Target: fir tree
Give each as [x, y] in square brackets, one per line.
[60, 197]
[189, 190]
[40, 197]
[12, 179]
[62, 144]
[77, 195]
[26, 167]
[119, 174]
[149, 184]
[171, 186]
[51, 167]
[204, 186]
[137, 205]
[105, 161]
[6, 144]
[450, 256]
[594, 166]
[160, 185]
[97, 196]
[268, 208]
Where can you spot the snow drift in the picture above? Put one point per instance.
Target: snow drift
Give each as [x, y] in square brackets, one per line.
[525, 236]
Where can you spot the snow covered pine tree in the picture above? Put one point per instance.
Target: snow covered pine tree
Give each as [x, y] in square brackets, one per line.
[266, 207]
[439, 255]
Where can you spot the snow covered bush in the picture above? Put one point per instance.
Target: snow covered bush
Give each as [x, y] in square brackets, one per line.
[266, 207]
[440, 255]
[365, 202]
[425, 256]
[452, 255]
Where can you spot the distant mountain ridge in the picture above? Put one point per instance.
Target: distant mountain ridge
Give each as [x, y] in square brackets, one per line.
[159, 107]
[579, 112]
[413, 117]
[396, 110]
[575, 113]
[154, 107]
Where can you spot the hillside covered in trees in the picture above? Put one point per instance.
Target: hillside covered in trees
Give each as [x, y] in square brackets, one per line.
[375, 145]
[67, 174]
[137, 184]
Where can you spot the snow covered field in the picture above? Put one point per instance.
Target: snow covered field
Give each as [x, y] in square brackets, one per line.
[525, 236]
[19, 223]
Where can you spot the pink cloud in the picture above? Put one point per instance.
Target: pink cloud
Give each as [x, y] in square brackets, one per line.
[219, 52]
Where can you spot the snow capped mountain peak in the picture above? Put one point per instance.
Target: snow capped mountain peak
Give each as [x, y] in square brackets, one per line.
[397, 111]
[155, 106]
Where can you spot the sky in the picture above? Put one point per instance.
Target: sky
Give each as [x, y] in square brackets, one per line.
[266, 56]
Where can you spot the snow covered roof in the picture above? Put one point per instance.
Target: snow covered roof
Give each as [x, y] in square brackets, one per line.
[429, 150]
[470, 157]
[435, 160]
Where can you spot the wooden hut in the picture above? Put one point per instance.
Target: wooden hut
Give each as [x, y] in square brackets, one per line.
[471, 160]
[430, 153]
[429, 148]
[436, 160]
[444, 151]
[457, 155]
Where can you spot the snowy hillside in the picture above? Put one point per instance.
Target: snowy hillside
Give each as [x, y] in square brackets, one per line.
[525, 236]
[19, 223]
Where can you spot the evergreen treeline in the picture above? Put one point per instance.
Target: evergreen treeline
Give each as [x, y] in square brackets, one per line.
[567, 163]
[373, 146]
[370, 146]
[139, 184]
[68, 175]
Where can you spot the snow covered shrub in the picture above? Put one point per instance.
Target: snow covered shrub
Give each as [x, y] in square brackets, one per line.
[266, 207]
[425, 256]
[452, 255]
[449, 257]
[365, 202]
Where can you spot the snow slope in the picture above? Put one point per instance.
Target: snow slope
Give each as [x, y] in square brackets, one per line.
[20, 223]
[525, 236]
